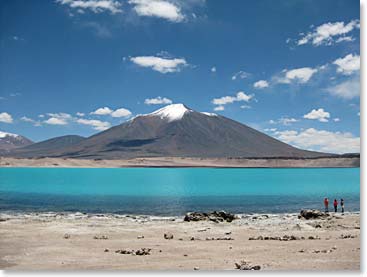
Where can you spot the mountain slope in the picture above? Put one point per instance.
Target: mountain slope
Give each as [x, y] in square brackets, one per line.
[177, 131]
[9, 141]
[48, 147]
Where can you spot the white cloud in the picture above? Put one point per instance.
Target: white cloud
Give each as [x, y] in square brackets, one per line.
[300, 75]
[341, 39]
[157, 101]
[96, 124]
[102, 111]
[326, 34]
[162, 65]
[6, 118]
[58, 118]
[319, 115]
[30, 120]
[348, 89]
[96, 6]
[261, 84]
[321, 140]
[240, 75]
[245, 107]
[213, 69]
[121, 113]
[284, 121]
[158, 8]
[348, 65]
[336, 119]
[56, 121]
[80, 114]
[240, 96]
[219, 108]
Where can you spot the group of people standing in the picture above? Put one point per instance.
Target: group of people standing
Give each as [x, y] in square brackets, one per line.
[326, 203]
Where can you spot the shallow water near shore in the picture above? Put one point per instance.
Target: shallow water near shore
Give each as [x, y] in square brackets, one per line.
[174, 191]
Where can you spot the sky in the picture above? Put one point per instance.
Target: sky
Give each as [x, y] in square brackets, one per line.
[289, 68]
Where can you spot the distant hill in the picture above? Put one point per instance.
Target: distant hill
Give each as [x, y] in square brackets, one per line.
[175, 131]
[9, 141]
[48, 147]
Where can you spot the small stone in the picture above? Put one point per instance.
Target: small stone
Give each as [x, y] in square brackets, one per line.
[228, 233]
[196, 268]
[106, 250]
[168, 236]
[66, 236]
[140, 237]
[301, 251]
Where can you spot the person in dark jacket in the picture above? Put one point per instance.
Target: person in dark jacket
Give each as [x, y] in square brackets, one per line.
[342, 204]
[335, 205]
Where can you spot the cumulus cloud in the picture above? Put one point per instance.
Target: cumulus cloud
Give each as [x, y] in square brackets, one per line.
[30, 120]
[240, 75]
[299, 75]
[102, 111]
[213, 69]
[157, 101]
[240, 96]
[319, 115]
[329, 33]
[56, 121]
[96, 124]
[121, 112]
[158, 8]
[261, 84]
[336, 119]
[58, 118]
[6, 118]
[160, 64]
[348, 89]
[321, 140]
[348, 65]
[80, 114]
[95, 6]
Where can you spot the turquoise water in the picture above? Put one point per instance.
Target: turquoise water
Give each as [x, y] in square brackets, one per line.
[171, 191]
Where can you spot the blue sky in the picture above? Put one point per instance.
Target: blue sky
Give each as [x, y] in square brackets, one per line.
[289, 68]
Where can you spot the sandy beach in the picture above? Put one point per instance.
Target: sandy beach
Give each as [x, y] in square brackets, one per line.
[180, 162]
[88, 241]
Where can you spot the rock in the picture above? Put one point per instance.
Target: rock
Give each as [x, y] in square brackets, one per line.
[349, 236]
[301, 251]
[124, 251]
[106, 250]
[185, 255]
[140, 237]
[313, 237]
[214, 216]
[66, 236]
[100, 237]
[192, 238]
[143, 251]
[228, 233]
[168, 236]
[312, 214]
[243, 265]
[196, 268]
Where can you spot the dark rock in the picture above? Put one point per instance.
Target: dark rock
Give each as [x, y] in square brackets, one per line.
[168, 236]
[106, 250]
[100, 237]
[66, 236]
[243, 265]
[312, 214]
[214, 216]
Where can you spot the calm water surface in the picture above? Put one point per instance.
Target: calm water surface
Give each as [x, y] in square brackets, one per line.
[174, 191]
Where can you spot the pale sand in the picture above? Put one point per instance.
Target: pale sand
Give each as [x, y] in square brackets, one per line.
[180, 162]
[37, 242]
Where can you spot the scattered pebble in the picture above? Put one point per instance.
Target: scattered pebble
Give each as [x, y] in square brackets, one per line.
[168, 236]
[243, 265]
[66, 236]
[196, 268]
[139, 252]
[106, 250]
[140, 237]
[100, 237]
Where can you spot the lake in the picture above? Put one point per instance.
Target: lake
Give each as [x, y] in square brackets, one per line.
[174, 191]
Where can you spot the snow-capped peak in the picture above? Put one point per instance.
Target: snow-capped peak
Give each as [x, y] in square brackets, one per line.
[171, 112]
[5, 134]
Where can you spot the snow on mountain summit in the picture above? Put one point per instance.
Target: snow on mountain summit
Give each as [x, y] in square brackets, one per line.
[171, 112]
[5, 134]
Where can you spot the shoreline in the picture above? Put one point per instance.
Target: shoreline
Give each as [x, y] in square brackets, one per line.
[177, 162]
[54, 241]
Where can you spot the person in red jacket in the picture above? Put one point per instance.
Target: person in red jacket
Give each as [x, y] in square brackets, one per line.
[335, 205]
[326, 203]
